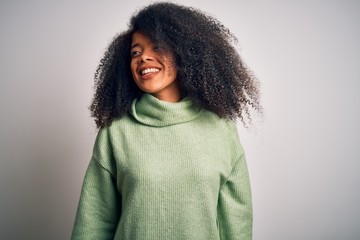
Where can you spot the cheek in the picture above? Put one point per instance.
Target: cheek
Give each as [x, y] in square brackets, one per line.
[172, 71]
[133, 68]
[170, 66]
[172, 74]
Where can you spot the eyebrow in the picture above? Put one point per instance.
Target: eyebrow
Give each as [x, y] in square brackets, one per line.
[135, 45]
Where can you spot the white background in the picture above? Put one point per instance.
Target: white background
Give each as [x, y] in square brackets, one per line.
[303, 158]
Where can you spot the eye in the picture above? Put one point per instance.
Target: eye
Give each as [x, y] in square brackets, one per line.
[158, 48]
[135, 53]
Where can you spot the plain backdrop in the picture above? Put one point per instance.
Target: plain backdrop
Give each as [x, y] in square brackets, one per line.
[303, 156]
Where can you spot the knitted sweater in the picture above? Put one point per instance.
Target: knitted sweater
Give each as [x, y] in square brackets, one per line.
[166, 171]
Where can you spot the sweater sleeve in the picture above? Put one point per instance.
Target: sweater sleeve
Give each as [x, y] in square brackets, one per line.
[235, 204]
[98, 211]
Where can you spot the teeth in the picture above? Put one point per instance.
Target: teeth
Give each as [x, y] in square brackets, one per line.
[149, 70]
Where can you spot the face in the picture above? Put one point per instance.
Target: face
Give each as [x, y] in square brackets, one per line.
[153, 72]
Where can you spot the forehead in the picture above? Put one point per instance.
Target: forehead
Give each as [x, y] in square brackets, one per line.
[140, 38]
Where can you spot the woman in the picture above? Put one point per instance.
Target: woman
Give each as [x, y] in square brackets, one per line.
[167, 162]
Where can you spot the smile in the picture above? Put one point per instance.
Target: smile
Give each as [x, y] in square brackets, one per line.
[149, 70]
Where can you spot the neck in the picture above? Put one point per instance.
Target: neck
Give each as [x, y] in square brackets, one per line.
[172, 93]
[152, 111]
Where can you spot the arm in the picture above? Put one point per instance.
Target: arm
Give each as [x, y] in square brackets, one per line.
[235, 205]
[99, 207]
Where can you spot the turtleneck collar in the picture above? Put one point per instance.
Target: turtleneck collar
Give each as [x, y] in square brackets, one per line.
[154, 112]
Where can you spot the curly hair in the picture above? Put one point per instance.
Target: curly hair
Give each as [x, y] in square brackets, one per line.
[209, 69]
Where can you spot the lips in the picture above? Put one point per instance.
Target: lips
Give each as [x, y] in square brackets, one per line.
[148, 72]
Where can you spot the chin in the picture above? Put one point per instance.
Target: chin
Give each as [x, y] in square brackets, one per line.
[150, 89]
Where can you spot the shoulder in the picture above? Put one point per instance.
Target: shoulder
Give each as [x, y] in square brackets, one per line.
[107, 139]
[226, 125]
[224, 129]
[235, 138]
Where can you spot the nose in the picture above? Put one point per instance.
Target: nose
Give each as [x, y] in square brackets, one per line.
[146, 56]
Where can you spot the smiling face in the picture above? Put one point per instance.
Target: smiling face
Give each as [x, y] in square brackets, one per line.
[153, 71]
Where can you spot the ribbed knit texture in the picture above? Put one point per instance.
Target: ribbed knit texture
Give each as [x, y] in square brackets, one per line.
[166, 171]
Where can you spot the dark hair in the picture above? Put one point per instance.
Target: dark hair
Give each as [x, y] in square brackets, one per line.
[209, 69]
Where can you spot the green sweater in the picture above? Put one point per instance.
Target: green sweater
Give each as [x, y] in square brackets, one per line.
[166, 171]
